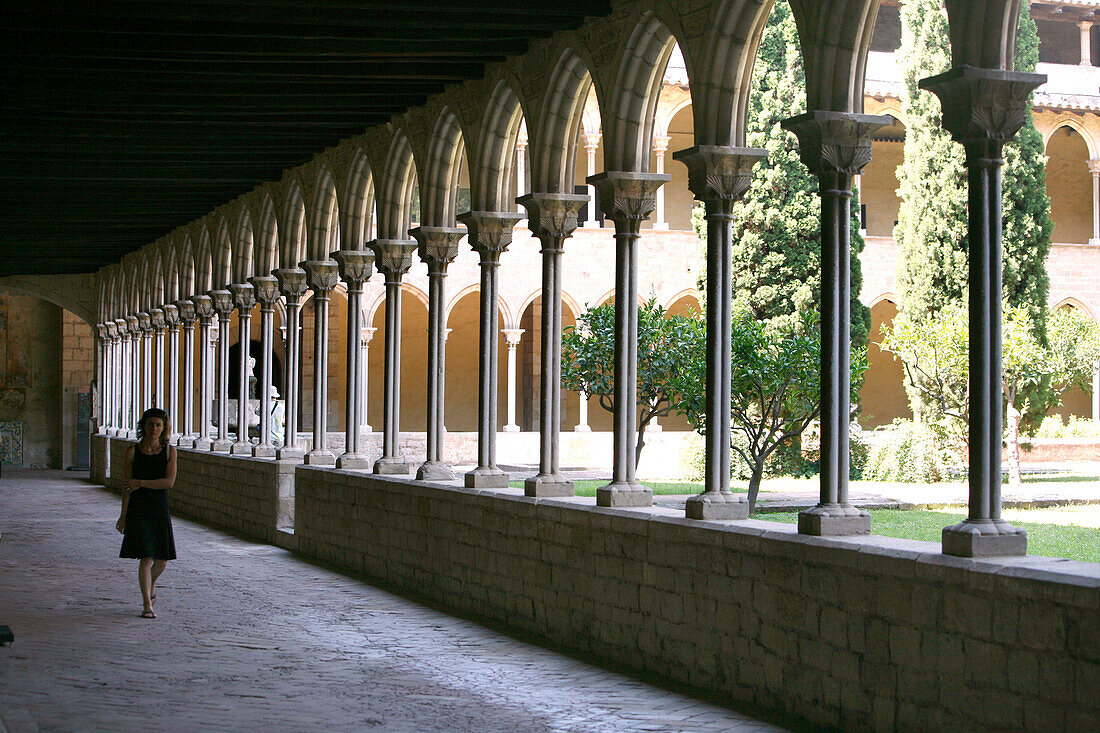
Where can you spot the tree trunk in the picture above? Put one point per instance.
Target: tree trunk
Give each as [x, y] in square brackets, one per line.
[1012, 443]
[754, 484]
[641, 442]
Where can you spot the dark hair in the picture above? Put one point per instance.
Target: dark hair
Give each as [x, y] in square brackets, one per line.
[151, 413]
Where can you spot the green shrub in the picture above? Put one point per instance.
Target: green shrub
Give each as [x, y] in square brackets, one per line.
[1081, 428]
[909, 452]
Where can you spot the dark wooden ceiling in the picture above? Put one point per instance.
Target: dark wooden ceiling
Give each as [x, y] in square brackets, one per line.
[123, 120]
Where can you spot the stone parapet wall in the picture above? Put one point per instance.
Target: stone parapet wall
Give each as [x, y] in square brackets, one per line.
[859, 633]
[99, 451]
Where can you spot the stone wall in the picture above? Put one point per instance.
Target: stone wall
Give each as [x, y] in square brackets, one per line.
[98, 460]
[30, 381]
[859, 633]
[77, 366]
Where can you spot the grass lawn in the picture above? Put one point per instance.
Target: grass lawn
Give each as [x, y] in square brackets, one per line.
[1051, 540]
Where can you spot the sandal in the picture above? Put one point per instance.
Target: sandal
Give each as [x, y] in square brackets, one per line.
[148, 614]
[153, 600]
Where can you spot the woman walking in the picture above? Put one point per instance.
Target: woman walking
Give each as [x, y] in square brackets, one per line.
[145, 522]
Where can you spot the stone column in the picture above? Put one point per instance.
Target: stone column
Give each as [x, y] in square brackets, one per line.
[438, 247]
[145, 325]
[156, 319]
[355, 269]
[521, 170]
[511, 340]
[172, 401]
[1094, 169]
[983, 109]
[124, 365]
[243, 299]
[660, 147]
[204, 311]
[627, 199]
[223, 305]
[582, 425]
[266, 290]
[113, 384]
[393, 258]
[292, 284]
[835, 146]
[133, 327]
[1096, 393]
[1086, 42]
[367, 334]
[591, 144]
[553, 219]
[490, 233]
[101, 376]
[322, 278]
[718, 176]
[187, 317]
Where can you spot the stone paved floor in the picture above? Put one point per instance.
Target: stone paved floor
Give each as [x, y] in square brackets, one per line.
[251, 637]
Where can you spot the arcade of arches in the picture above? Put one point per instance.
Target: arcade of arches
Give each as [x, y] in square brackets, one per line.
[451, 318]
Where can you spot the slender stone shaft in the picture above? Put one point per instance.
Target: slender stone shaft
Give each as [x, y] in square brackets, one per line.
[292, 284]
[366, 335]
[134, 406]
[223, 306]
[146, 326]
[204, 309]
[243, 298]
[835, 146]
[983, 109]
[266, 290]
[393, 258]
[355, 269]
[627, 199]
[490, 233]
[103, 345]
[438, 247]
[553, 219]
[156, 318]
[187, 317]
[172, 403]
[719, 176]
[123, 365]
[322, 277]
[115, 395]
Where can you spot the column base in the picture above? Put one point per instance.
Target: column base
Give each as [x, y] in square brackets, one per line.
[202, 444]
[717, 505]
[834, 520]
[241, 448]
[186, 441]
[352, 460]
[434, 471]
[1094, 241]
[319, 458]
[392, 466]
[174, 439]
[660, 226]
[263, 451]
[289, 454]
[582, 429]
[624, 494]
[511, 428]
[548, 484]
[984, 538]
[221, 446]
[595, 224]
[486, 477]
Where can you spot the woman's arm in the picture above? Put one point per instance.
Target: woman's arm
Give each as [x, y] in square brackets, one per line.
[169, 475]
[129, 462]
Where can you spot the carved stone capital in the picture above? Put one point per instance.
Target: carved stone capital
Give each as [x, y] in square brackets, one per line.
[145, 322]
[112, 330]
[660, 144]
[512, 336]
[437, 246]
[322, 275]
[626, 196]
[392, 257]
[133, 325]
[490, 232]
[187, 311]
[292, 283]
[101, 330]
[366, 334]
[222, 302]
[834, 142]
[553, 214]
[204, 306]
[171, 315]
[355, 266]
[983, 104]
[243, 296]
[266, 289]
[1094, 166]
[719, 175]
[156, 319]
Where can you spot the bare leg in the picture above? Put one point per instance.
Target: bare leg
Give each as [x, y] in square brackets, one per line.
[158, 568]
[145, 582]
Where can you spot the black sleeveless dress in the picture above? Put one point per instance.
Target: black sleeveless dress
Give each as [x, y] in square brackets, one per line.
[148, 531]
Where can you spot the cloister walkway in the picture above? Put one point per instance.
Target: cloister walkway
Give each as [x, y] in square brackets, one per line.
[251, 637]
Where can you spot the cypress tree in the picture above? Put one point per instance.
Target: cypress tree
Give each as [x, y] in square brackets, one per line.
[777, 246]
[932, 223]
